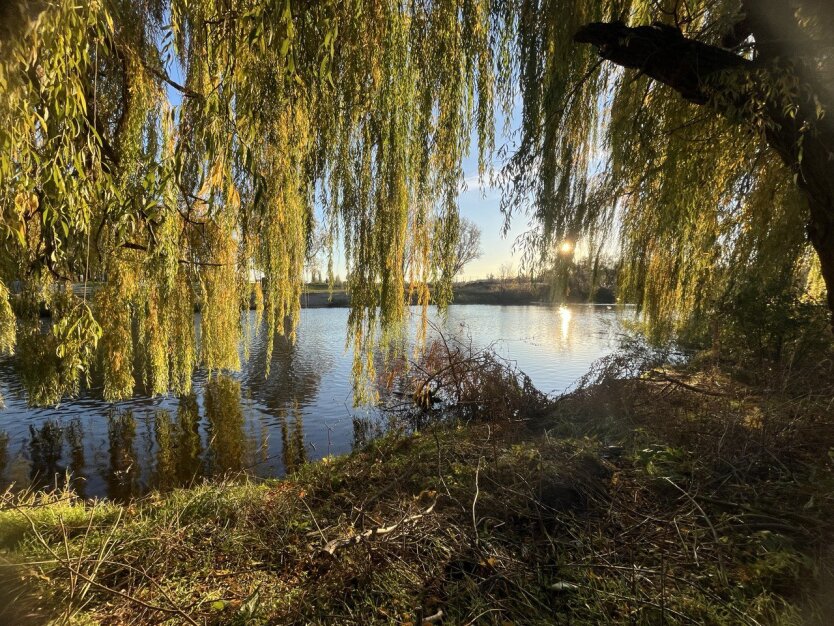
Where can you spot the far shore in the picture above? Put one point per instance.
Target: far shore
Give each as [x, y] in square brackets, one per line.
[488, 291]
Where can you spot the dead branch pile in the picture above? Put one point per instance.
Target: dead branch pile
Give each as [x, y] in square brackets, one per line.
[454, 379]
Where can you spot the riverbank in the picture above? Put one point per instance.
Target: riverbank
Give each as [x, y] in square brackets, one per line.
[488, 291]
[675, 497]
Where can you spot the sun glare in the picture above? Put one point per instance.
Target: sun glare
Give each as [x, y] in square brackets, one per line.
[566, 247]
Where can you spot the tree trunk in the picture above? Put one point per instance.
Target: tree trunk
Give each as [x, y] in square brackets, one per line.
[804, 142]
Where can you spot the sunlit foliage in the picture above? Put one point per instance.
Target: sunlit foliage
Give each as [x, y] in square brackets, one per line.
[7, 322]
[698, 199]
[165, 155]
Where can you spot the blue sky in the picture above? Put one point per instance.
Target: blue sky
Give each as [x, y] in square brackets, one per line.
[481, 204]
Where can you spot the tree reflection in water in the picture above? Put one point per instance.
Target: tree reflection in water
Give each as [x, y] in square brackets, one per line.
[46, 447]
[188, 461]
[4, 456]
[77, 459]
[209, 433]
[175, 455]
[224, 414]
[292, 384]
[123, 474]
[292, 439]
[178, 446]
[164, 428]
[294, 376]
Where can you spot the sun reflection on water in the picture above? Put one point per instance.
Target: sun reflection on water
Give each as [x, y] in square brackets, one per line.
[565, 317]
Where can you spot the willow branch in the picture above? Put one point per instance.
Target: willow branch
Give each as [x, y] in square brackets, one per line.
[186, 91]
[332, 546]
[129, 245]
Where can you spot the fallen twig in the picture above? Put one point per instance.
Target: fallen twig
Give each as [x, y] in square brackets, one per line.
[709, 523]
[332, 546]
[475, 501]
[687, 386]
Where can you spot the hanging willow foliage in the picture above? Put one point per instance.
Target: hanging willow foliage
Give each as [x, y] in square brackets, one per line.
[693, 152]
[162, 155]
[165, 154]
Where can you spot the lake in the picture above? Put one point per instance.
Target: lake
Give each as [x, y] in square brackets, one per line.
[267, 426]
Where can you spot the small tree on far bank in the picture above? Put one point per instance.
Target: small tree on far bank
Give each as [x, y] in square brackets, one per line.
[469, 245]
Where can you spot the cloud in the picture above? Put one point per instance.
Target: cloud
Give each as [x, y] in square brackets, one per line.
[486, 184]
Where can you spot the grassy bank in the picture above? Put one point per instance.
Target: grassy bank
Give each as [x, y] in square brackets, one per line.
[677, 497]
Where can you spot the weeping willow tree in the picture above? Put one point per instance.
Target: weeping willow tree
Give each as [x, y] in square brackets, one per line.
[167, 151]
[700, 130]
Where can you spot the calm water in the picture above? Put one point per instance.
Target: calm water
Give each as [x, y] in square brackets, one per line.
[265, 425]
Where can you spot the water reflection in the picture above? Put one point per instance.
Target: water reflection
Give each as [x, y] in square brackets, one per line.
[77, 459]
[565, 317]
[165, 472]
[46, 447]
[292, 439]
[225, 425]
[364, 430]
[189, 446]
[264, 424]
[292, 379]
[4, 454]
[173, 445]
[123, 473]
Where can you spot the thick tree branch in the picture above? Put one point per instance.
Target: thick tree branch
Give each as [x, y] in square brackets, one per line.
[129, 245]
[663, 53]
